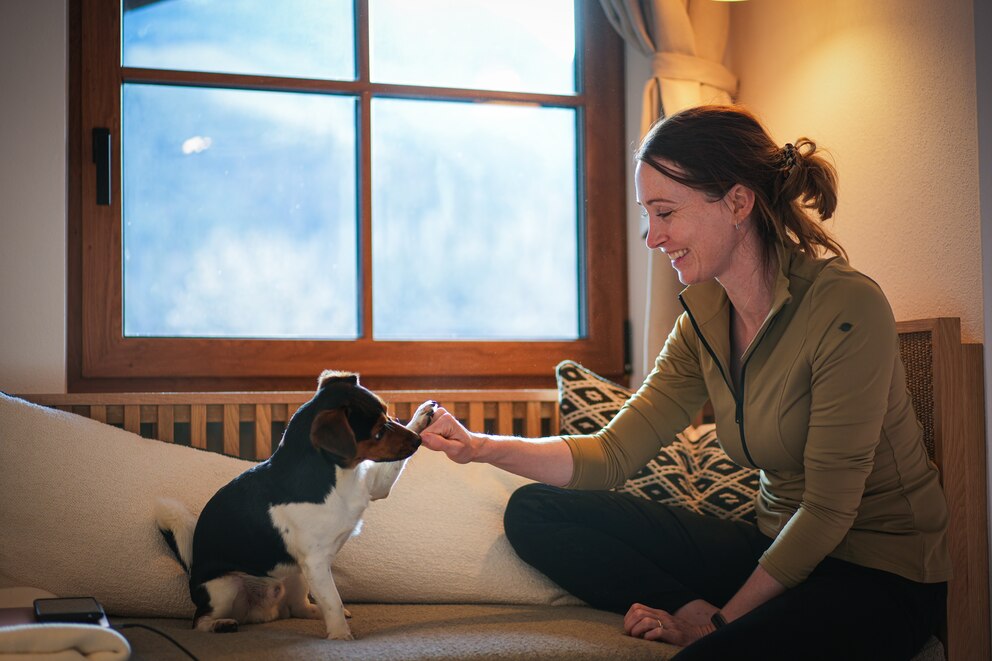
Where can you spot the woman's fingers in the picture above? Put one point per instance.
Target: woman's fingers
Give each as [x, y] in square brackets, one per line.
[641, 620]
[655, 624]
[445, 424]
[435, 442]
[445, 434]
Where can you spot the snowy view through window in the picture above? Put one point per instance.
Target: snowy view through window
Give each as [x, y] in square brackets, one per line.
[241, 206]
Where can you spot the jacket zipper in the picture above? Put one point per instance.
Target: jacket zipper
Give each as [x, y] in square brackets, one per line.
[738, 401]
[739, 414]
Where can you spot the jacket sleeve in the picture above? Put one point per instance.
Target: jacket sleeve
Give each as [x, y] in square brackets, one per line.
[855, 348]
[662, 407]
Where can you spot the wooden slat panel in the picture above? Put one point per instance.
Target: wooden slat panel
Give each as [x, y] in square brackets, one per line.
[401, 410]
[198, 426]
[532, 420]
[132, 418]
[293, 398]
[263, 431]
[98, 413]
[505, 395]
[107, 398]
[293, 406]
[232, 428]
[476, 416]
[504, 418]
[115, 414]
[215, 412]
[166, 429]
[180, 413]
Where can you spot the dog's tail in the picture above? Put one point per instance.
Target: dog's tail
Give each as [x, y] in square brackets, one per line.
[176, 523]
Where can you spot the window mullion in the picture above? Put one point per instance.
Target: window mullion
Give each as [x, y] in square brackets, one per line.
[364, 168]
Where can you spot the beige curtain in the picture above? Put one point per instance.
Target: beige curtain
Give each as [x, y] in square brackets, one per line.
[686, 40]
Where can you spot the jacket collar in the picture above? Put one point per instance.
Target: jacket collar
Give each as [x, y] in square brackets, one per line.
[709, 308]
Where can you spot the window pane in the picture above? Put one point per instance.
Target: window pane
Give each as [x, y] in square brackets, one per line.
[239, 213]
[511, 45]
[473, 221]
[294, 38]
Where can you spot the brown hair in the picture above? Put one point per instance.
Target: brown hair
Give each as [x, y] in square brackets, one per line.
[716, 147]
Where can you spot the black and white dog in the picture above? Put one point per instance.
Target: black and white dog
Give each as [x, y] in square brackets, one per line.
[267, 539]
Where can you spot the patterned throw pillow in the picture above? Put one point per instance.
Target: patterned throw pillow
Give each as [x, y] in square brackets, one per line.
[693, 472]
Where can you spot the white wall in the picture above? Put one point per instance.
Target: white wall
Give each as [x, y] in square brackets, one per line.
[888, 86]
[32, 195]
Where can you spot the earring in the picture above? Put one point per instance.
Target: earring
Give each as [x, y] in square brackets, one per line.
[737, 227]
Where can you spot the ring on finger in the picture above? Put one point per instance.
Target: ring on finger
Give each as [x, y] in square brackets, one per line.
[660, 625]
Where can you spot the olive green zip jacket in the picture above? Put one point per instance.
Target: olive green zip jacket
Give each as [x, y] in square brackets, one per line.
[823, 411]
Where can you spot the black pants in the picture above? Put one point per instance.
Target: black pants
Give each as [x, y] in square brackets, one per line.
[612, 550]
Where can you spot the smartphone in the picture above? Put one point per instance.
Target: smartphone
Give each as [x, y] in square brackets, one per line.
[80, 610]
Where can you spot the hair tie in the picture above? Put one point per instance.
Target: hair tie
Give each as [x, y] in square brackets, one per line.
[788, 157]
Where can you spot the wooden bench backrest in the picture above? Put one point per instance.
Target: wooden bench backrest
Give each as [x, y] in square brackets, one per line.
[945, 381]
[249, 424]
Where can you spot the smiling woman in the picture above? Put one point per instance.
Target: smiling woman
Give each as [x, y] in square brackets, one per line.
[798, 355]
[408, 189]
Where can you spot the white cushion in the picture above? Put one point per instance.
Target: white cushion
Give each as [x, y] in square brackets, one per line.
[76, 499]
[438, 538]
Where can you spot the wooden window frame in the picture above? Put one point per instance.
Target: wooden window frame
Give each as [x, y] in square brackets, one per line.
[100, 358]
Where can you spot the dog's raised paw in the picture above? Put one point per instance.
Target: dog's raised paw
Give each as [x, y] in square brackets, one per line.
[422, 416]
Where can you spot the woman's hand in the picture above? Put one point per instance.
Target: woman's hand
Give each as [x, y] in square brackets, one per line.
[445, 434]
[655, 624]
[545, 460]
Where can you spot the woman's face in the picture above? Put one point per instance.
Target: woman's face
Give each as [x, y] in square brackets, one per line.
[696, 233]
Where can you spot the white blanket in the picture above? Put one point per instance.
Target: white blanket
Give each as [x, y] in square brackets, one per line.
[62, 642]
[56, 642]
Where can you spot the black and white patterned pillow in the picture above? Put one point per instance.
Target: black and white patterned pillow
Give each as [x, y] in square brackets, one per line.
[693, 472]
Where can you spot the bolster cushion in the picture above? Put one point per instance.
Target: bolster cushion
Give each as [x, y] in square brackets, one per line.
[77, 496]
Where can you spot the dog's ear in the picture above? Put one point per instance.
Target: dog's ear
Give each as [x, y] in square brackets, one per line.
[331, 432]
[332, 376]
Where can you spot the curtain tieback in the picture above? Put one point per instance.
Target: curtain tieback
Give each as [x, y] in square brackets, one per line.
[679, 66]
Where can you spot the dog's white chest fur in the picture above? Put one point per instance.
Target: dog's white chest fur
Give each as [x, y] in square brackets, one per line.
[308, 528]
